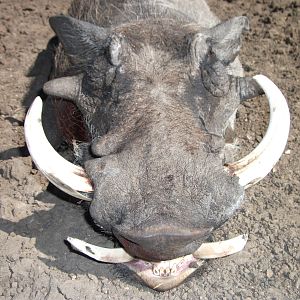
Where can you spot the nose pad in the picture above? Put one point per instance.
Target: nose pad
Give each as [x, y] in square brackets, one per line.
[161, 243]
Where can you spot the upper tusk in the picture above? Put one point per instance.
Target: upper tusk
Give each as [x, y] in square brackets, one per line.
[257, 164]
[114, 255]
[221, 249]
[63, 174]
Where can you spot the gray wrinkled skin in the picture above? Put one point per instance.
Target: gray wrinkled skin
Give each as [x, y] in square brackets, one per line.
[159, 88]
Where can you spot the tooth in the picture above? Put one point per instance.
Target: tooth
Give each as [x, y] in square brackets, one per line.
[156, 271]
[173, 270]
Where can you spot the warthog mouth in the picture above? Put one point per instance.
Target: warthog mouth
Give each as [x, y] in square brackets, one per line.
[164, 275]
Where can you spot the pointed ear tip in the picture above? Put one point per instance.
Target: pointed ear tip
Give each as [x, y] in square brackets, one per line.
[241, 21]
[55, 21]
[245, 22]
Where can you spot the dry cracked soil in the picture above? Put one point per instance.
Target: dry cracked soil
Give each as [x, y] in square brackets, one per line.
[36, 263]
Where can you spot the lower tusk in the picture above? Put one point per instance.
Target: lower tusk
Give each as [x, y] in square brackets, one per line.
[114, 255]
[66, 176]
[118, 255]
[221, 249]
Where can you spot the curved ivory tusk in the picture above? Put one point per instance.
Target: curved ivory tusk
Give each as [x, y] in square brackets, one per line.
[113, 255]
[221, 249]
[257, 164]
[63, 174]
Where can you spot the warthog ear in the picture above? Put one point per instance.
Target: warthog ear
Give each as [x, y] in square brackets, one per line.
[213, 50]
[225, 38]
[81, 40]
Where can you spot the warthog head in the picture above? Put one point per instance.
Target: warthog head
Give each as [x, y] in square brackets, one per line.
[157, 97]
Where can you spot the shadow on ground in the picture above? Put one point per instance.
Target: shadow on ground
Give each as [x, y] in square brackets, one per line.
[51, 228]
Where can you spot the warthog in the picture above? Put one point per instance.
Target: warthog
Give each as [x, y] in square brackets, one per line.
[158, 84]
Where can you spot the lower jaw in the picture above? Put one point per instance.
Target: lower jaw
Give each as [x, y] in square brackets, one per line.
[165, 275]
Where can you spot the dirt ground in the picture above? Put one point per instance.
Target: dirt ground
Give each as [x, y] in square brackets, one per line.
[36, 263]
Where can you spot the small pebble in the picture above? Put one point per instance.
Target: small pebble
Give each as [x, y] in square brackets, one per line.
[73, 276]
[270, 273]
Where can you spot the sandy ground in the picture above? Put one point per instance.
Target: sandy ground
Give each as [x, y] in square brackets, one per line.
[36, 263]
